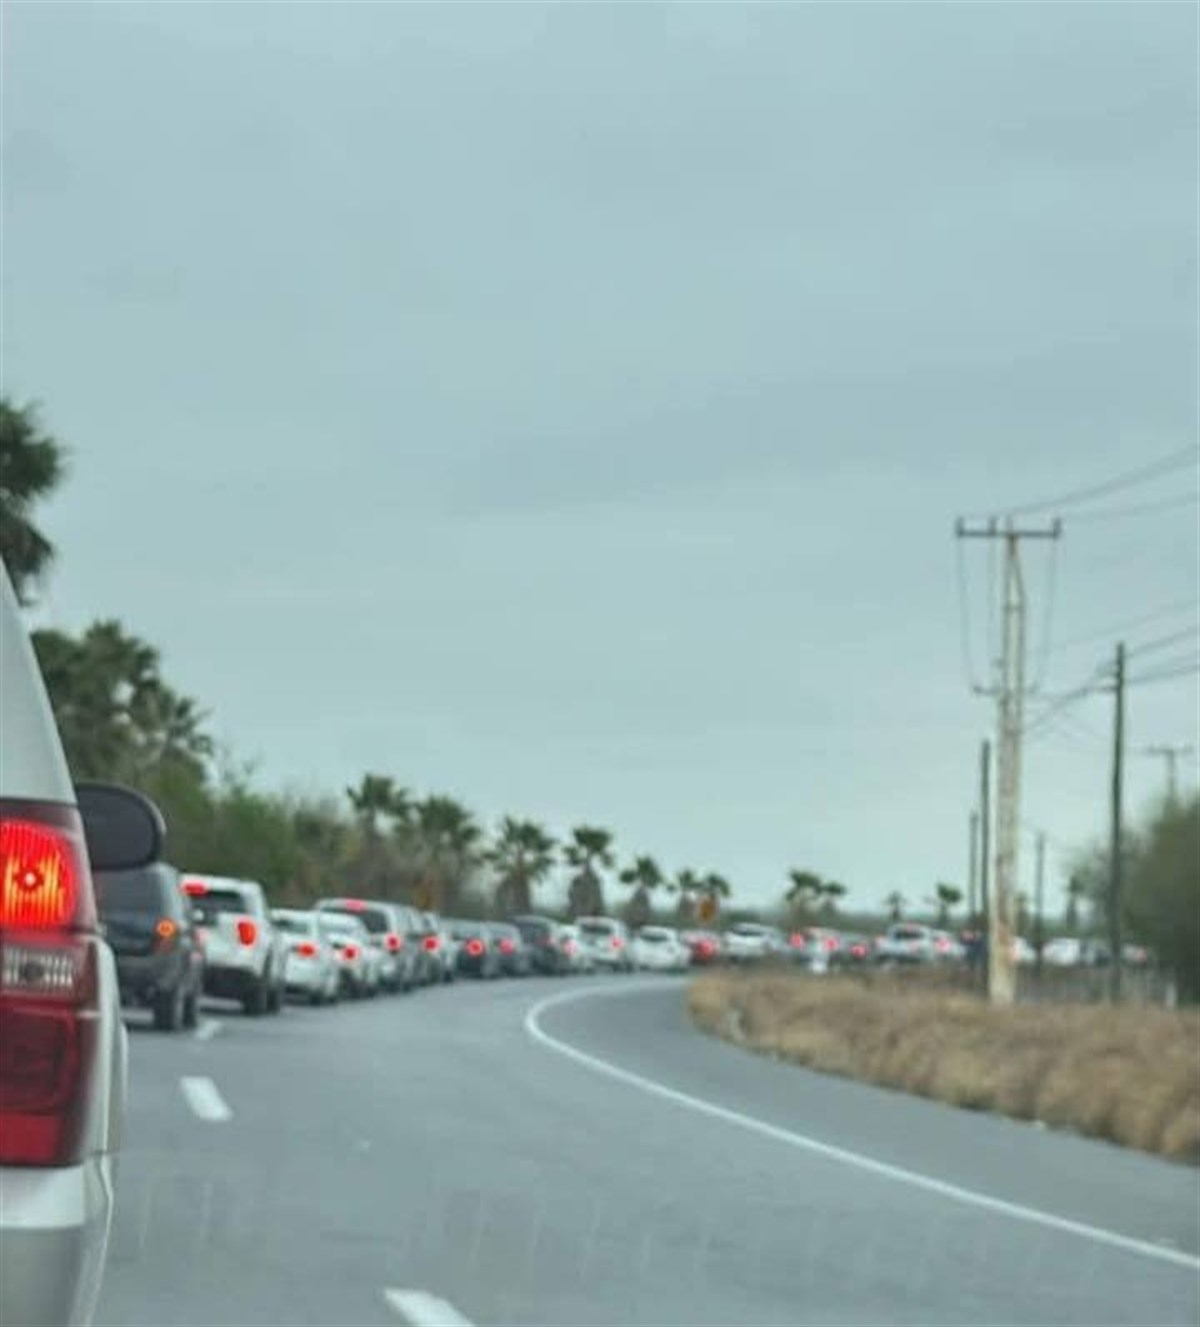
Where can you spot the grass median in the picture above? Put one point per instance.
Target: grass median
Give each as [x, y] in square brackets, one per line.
[1130, 1074]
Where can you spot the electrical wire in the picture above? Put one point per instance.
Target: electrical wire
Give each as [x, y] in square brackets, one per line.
[1093, 684]
[1140, 509]
[1129, 479]
[1168, 610]
[1173, 668]
[1189, 633]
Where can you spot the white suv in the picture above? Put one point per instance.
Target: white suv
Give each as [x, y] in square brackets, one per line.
[245, 953]
[607, 942]
[63, 1047]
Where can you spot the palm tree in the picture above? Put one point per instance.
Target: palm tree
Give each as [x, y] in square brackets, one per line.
[713, 888]
[687, 884]
[805, 890]
[948, 897]
[376, 796]
[522, 854]
[589, 850]
[442, 841]
[895, 903]
[645, 875]
[831, 892]
[31, 466]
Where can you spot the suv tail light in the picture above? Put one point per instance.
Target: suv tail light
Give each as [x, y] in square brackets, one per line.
[507, 946]
[247, 931]
[350, 951]
[475, 948]
[617, 942]
[430, 943]
[306, 949]
[394, 942]
[48, 985]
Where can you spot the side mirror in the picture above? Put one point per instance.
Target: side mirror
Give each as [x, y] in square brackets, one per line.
[123, 829]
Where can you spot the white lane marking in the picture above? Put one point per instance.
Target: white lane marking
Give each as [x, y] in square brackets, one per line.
[424, 1310]
[208, 1029]
[202, 1095]
[857, 1159]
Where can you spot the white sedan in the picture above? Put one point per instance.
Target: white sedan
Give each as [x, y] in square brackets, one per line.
[312, 967]
[659, 949]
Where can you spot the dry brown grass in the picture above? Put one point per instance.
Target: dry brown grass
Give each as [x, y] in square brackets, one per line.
[1131, 1074]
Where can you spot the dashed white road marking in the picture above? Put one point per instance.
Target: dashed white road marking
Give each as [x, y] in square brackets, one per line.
[420, 1309]
[956, 1193]
[208, 1029]
[206, 1102]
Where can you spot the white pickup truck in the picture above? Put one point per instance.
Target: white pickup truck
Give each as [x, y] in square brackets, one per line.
[245, 954]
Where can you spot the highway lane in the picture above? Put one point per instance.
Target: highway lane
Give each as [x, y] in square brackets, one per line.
[431, 1144]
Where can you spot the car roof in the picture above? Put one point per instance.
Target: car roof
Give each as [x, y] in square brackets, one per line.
[34, 766]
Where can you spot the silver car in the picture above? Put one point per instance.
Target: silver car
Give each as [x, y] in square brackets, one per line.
[63, 1047]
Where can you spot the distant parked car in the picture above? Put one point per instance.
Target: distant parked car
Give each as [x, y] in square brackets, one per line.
[149, 924]
[477, 954]
[853, 950]
[576, 955]
[516, 960]
[312, 968]
[746, 942]
[1024, 954]
[244, 955]
[704, 947]
[607, 942]
[906, 942]
[390, 927]
[358, 975]
[1063, 952]
[440, 947]
[542, 938]
[659, 949]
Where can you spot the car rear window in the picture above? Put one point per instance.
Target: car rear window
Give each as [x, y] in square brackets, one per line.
[654, 934]
[128, 891]
[748, 928]
[907, 933]
[209, 906]
[374, 919]
[532, 930]
[293, 925]
[596, 928]
[465, 930]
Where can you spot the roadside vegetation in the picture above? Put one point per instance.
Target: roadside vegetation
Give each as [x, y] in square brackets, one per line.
[1129, 1074]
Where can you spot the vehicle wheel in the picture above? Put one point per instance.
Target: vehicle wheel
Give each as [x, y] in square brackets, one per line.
[316, 998]
[168, 1010]
[255, 1003]
[191, 1010]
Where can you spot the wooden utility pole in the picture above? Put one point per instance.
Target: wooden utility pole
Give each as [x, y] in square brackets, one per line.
[985, 841]
[1115, 865]
[973, 870]
[1010, 695]
[1039, 903]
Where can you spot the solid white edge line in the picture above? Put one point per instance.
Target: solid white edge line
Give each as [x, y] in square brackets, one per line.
[882, 1168]
[208, 1029]
[424, 1310]
[202, 1096]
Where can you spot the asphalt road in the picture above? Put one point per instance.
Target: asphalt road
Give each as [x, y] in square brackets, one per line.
[573, 1153]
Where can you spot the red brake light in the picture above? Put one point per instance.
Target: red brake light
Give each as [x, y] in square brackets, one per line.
[568, 946]
[351, 951]
[617, 942]
[247, 931]
[474, 948]
[831, 943]
[48, 1032]
[430, 943]
[39, 875]
[797, 940]
[353, 904]
[394, 942]
[165, 928]
[859, 951]
[507, 946]
[195, 888]
[306, 949]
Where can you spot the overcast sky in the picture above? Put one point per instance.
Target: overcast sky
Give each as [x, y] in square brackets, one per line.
[568, 407]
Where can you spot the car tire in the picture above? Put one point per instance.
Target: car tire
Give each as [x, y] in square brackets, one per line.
[255, 1002]
[168, 1010]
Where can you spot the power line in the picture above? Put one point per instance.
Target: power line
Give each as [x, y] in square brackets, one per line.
[1154, 615]
[1138, 509]
[1188, 634]
[1129, 479]
[1175, 669]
